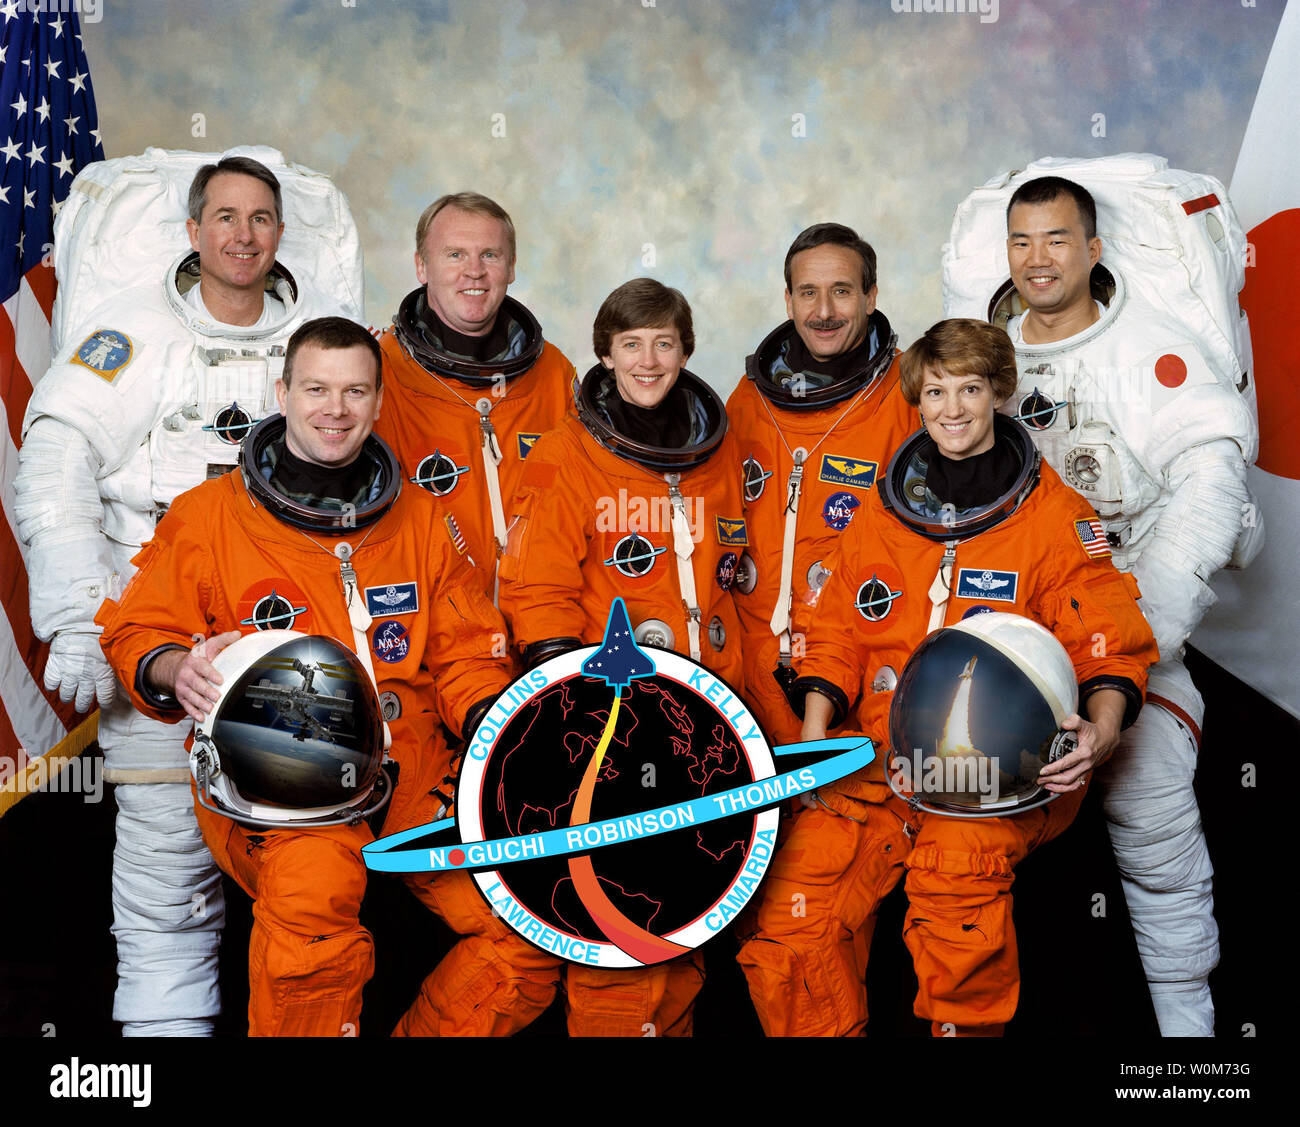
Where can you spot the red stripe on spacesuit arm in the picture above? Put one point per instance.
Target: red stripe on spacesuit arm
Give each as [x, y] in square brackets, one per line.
[1201, 203]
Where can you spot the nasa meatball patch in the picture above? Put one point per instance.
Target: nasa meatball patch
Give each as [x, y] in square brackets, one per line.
[392, 641]
[726, 573]
[839, 510]
[992, 586]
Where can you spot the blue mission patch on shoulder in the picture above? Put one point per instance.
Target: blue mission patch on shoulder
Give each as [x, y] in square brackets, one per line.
[105, 352]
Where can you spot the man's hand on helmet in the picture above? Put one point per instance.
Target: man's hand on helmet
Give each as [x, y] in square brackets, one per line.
[190, 676]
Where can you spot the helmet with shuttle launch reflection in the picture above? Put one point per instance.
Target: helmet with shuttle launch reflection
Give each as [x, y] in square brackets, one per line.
[977, 714]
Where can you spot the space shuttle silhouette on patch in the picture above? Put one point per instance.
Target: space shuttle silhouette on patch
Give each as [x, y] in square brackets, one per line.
[619, 661]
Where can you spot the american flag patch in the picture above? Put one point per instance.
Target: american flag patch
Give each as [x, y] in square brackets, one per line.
[1093, 538]
[453, 530]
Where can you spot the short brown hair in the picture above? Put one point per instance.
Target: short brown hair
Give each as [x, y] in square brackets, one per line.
[964, 347]
[332, 333]
[241, 166]
[819, 234]
[465, 201]
[642, 303]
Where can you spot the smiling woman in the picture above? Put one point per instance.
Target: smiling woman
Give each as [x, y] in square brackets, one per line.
[959, 373]
[967, 520]
[648, 437]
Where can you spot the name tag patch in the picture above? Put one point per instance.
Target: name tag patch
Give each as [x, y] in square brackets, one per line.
[394, 598]
[838, 469]
[993, 586]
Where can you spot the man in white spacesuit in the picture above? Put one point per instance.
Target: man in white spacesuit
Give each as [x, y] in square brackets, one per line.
[154, 396]
[1126, 409]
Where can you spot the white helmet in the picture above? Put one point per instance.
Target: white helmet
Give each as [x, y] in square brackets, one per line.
[295, 738]
[976, 715]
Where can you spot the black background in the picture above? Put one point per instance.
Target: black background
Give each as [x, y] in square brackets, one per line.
[1083, 1002]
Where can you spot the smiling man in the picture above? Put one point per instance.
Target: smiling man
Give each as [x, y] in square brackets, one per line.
[153, 395]
[330, 411]
[235, 226]
[816, 417]
[317, 511]
[1122, 403]
[472, 384]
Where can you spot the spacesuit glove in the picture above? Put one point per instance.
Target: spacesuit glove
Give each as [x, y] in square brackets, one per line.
[78, 669]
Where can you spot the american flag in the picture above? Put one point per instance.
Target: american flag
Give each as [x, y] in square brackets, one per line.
[48, 131]
[1093, 538]
[457, 537]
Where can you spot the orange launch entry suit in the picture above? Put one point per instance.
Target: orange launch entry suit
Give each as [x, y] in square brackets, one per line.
[803, 974]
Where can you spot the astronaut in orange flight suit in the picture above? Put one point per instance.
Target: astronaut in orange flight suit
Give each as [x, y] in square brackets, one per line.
[637, 496]
[1031, 549]
[825, 384]
[245, 552]
[470, 383]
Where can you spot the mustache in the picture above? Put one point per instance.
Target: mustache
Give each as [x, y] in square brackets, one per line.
[828, 323]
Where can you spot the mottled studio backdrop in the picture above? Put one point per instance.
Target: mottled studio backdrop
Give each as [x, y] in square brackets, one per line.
[686, 140]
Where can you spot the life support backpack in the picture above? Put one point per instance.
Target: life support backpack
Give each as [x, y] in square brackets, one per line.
[124, 222]
[1173, 235]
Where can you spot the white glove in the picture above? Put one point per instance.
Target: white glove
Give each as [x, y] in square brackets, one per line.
[77, 667]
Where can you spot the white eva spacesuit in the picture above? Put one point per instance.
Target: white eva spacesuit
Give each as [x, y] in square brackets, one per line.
[146, 398]
[1150, 414]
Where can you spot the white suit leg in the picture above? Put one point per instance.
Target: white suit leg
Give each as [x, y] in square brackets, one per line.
[168, 906]
[1155, 830]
